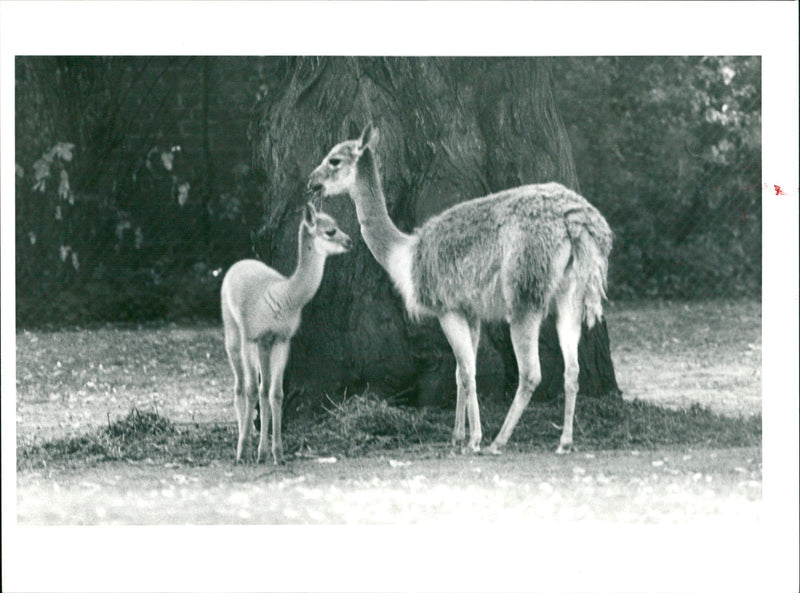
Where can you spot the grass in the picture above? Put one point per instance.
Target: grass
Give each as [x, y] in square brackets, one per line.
[364, 424]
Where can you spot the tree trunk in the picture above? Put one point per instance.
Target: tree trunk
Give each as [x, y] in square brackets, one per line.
[452, 129]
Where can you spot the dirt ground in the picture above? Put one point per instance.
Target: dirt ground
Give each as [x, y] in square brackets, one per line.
[405, 487]
[677, 354]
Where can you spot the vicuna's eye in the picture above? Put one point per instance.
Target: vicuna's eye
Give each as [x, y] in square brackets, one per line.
[331, 232]
[334, 162]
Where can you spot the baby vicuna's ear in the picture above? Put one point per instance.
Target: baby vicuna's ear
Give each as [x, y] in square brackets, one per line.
[310, 214]
[369, 137]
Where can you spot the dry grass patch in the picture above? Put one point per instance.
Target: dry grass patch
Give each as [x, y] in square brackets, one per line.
[364, 424]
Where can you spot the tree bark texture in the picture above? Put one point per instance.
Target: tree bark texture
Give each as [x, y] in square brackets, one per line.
[452, 129]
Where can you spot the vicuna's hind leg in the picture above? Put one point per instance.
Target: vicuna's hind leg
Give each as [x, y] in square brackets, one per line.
[568, 326]
[463, 339]
[246, 398]
[525, 338]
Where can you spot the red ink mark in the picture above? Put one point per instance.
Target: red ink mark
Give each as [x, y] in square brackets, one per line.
[778, 190]
[744, 214]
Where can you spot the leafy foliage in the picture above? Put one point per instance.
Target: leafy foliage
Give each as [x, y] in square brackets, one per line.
[114, 217]
[669, 148]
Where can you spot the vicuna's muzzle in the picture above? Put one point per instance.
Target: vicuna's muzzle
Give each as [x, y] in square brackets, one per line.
[314, 186]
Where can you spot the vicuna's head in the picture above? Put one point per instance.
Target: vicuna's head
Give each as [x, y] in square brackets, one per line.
[337, 174]
[320, 232]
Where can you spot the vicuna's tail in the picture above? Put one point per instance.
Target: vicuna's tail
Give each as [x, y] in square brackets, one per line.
[591, 245]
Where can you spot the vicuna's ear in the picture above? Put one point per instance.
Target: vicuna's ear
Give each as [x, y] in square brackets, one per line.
[309, 214]
[369, 137]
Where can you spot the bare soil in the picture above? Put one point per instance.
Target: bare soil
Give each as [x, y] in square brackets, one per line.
[680, 353]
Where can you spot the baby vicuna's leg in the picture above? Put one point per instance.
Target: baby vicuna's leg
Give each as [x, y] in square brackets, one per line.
[246, 398]
[278, 357]
[263, 401]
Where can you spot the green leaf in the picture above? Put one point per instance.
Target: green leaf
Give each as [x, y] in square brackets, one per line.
[63, 150]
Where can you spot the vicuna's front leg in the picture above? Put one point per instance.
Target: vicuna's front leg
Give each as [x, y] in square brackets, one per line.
[278, 357]
[459, 335]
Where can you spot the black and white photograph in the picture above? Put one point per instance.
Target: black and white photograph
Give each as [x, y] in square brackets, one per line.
[337, 296]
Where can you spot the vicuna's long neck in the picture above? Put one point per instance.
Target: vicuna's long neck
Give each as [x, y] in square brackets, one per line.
[378, 230]
[305, 280]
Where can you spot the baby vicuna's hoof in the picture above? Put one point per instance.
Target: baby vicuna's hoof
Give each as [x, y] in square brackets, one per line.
[471, 449]
[565, 449]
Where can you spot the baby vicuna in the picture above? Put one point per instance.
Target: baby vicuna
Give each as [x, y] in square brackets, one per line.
[261, 312]
[513, 255]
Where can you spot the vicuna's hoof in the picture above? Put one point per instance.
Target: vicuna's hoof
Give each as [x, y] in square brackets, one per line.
[492, 450]
[565, 449]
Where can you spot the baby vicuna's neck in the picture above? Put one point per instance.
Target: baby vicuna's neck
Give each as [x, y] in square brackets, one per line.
[305, 280]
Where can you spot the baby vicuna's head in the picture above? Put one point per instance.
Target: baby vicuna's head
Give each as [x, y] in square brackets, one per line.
[320, 231]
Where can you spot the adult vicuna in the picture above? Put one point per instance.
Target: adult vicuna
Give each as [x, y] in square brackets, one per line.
[513, 255]
[261, 312]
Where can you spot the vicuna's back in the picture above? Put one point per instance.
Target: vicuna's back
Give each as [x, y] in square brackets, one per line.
[481, 256]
